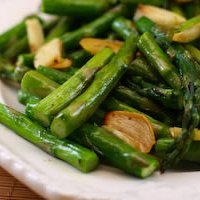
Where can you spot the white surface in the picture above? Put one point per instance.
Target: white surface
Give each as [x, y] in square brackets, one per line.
[55, 179]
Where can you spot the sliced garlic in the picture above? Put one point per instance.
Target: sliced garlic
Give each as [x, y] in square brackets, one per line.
[65, 63]
[94, 45]
[35, 34]
[160, 16]
[133, 128]
[187, 35]
[49, 54]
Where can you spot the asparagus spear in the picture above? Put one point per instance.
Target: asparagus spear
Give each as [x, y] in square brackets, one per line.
[80, 57]
[123, 27]
[113, 143]
[63, 95]
[193, 153]
[141, 68]
[6, 69]
[159, 60]
[18, 47]
[116, 152]
[25, 97]
[12, 35]
[176, 52]
[26, 60]
[76, 8]
[57, 75]
[111, 104]
[140, 81]
[153, 2]
[61, 27]
[191, 109]
[76, 155]
[11, 73]
[116, 145]
[37, 84]
[167, 97]
[128, 9]
[14, 41]
[132, 98]
[84, 106]
[94, 28]
[189, 70]
[194, 52]
[19, 73]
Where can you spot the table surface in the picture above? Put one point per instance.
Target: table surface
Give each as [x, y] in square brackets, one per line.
[12, 189]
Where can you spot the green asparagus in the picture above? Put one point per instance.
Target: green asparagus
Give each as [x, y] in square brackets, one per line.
[140, 67]
[189, 70]
[20, 46]
[167, 97]
[79, 58]
[194, 52]
[116, 152]
[25, 97]
[76, 155]
[57, 75]
[63, 26]
[62, 96]
[123, 27]
[111, 104]
[153, 2]
[19, 73]
[94, 28]
[159, 60]
[132, 98]
[26, 60]
[9, 37]
[6, 69]
[86, 8]
[84, 106]
[36, 83]
[175, 51]
[193, 153]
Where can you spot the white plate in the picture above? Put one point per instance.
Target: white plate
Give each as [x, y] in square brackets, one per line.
[54, 179]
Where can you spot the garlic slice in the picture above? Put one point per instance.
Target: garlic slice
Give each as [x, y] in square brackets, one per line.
[35, 34]
[133, 128]
[49, 54]
[94, 45]
[160, 16]
[65, 63]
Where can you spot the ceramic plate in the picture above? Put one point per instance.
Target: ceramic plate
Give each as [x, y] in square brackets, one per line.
[56, 180]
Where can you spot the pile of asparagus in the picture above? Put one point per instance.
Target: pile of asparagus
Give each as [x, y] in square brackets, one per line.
[96, 58]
